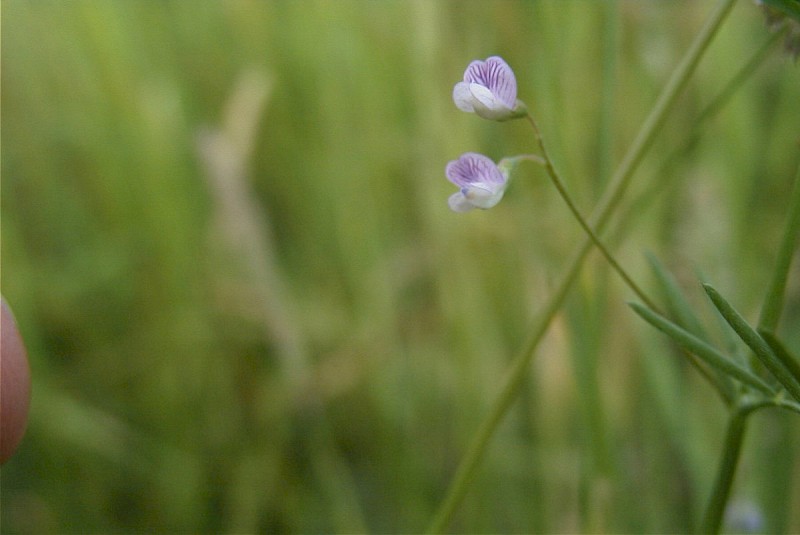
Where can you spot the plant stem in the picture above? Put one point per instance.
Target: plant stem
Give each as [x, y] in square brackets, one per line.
[465, 472]
[734, 437]
[768, 321]
[666, 173]
[712, 519]
[658, 115]
[773, 301]
[562, 190]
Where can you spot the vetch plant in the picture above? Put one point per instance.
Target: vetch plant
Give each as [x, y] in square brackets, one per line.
[489, 88]
[769, 380]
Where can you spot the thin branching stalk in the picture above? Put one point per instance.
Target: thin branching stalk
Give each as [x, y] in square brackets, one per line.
[562, 190]
[465, 472]
[768, 321]
[734, 437]
[737, 425]
[773, 301]
[666, 171]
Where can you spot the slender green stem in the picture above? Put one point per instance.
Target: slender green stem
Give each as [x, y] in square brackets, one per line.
[608, 91]
[562, 190]
[480, 442]
[734, 437]
[773, 301]
[738, 79]
[737, 425]
[465, 472]
[658, 115]
[768, 322]
[668, 175]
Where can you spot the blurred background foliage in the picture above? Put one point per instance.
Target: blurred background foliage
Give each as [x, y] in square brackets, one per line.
[248, 308]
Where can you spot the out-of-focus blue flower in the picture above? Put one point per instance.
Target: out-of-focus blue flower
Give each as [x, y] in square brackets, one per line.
[480, 181]
[489, 90]
[744, 516]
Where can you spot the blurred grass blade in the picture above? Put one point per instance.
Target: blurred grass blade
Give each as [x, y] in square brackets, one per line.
[754, 341]
[787, 405]
[790, 8]
[789, 361]
[676, 302]
[679, 307]
[773, 301]
[701, 349]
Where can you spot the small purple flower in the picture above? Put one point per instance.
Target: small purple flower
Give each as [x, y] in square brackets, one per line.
[489, 90]
[481, 182]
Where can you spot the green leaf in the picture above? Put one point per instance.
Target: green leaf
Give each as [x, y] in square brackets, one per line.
[789, 361]
[701, 349]
[749, 336]
[790, 8]
[677, 305]
[773, 300]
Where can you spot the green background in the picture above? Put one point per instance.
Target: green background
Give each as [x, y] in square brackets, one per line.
[226, 240]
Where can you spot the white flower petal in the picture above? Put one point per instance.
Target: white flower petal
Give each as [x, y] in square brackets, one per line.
[484, 96]
[487, 106]
[482, 197]
[462, 96]
[459, 203]
[489, 90]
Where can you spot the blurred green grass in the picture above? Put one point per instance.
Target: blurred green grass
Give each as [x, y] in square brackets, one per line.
[248, 309]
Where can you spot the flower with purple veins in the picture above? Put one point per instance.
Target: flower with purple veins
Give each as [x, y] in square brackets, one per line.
[489, 90]
[481, 182]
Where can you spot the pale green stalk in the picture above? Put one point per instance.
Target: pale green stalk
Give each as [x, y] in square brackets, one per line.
[773, 301]
[614, 193]
[562, 190]
[708, 113]
[605, 135]
[737, 425]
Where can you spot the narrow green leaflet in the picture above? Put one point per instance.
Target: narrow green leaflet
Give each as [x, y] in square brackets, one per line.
[676, 302]
[773, 300]
[790, 8]
[790, 362]
[679, 308]
[701, 349]
[750, 337]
